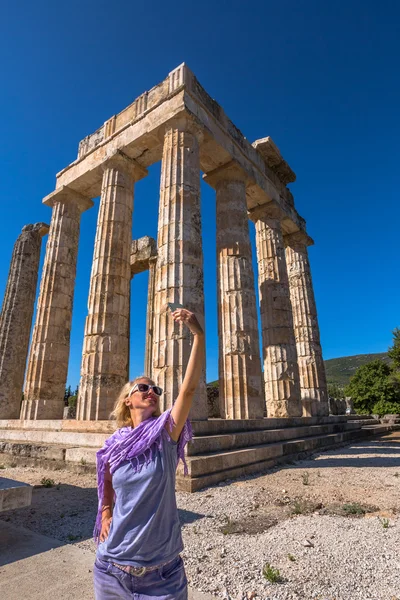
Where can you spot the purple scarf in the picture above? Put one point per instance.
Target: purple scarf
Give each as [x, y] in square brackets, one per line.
[131, 444]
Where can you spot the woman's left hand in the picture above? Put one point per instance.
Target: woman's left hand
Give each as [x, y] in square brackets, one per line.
[182, 315]
[105, 528]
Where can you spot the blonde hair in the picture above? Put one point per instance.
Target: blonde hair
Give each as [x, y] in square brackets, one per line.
[121, 412]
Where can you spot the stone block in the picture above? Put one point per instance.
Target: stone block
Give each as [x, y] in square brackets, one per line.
[14, 494]
[81, 455]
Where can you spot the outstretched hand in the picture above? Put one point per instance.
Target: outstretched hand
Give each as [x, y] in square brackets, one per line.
[182, 315]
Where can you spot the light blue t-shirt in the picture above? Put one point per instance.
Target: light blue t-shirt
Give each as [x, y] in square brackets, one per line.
[145, 529]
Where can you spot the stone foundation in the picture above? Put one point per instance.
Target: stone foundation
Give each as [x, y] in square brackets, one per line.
[222, 449]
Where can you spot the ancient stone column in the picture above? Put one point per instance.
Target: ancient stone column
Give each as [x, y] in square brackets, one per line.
[148, 361]
[281, 372]
[105, 358]
[49, 352]
[313, 386]
[240, 384]
[179, 272]
[16, 317]
[144, 258]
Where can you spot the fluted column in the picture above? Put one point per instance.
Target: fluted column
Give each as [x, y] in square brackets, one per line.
[105, 357]
[49, 352]
[148, 361]
[16, 317]
[241, 391]
[281, 372]
[179, 273]
[313, 386]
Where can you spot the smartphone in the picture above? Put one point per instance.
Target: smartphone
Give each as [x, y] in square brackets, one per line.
[174, 306]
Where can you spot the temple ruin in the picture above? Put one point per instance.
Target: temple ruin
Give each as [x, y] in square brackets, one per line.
[179, 124]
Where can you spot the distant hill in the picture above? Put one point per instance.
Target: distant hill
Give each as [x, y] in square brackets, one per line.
[339, 370]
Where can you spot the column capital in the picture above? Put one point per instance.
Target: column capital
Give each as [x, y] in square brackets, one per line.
[186, 124]
[122, 162]
[231, 171]
[298, 238]
[66, 195]
[41, 228]
[270, 210]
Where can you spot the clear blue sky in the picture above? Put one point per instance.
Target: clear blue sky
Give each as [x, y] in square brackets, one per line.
[321, 78]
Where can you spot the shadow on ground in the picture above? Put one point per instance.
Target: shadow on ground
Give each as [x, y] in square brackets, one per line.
[18, 543]
[65, 513]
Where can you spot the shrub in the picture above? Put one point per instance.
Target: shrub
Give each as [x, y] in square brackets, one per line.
[272, 575]
[354, 508]
[47, 483]
[383, 407]
[304, 507]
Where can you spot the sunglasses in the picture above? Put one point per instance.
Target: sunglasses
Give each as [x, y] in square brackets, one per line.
[145, 387]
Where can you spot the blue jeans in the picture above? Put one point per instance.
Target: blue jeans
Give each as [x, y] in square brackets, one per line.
[167, 583]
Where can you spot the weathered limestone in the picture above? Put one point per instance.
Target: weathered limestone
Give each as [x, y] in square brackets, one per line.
[273, 159]
[240, 387]
[151, 289]
[313, 386]
[16, 317]
[179, 272]
[105, 358]
[143, 251]
[144, 258]
[14, 494]
[281, 372]
[49, 352]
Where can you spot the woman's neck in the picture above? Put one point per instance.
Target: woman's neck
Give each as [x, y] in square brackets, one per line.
[138, 416]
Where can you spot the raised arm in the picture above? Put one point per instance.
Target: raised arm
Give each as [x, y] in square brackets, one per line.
[183, 403]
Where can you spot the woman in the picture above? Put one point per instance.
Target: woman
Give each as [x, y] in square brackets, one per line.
[137, 525]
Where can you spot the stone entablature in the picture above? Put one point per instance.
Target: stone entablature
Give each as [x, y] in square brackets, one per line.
[138, 132]
[274, 160]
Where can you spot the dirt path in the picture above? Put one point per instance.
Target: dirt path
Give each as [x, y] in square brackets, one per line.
[330, 525]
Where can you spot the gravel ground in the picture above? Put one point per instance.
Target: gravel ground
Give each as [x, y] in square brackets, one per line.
[330, 525]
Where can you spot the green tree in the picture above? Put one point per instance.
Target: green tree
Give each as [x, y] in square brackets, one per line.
[335, 391]
[394, 351]
[370, 384]
[67, 394]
